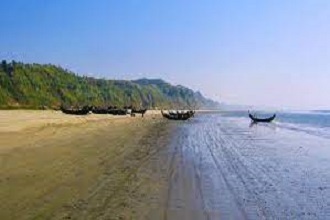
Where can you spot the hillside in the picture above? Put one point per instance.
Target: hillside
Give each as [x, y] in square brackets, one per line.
[34, 85]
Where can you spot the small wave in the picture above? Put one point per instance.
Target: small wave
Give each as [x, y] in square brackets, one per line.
[310, 122]
[316, 131]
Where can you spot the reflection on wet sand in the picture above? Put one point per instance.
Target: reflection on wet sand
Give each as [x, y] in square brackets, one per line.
[222, 167]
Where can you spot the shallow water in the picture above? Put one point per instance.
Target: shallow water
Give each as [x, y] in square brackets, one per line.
[222, 167]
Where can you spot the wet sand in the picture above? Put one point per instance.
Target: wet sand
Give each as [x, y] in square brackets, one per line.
[210, 167]
[223, 168]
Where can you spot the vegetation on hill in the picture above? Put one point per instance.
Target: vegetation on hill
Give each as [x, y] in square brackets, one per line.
[34, 86]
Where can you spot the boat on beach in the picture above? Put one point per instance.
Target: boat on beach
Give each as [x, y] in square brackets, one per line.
[83, 111]
[99, 111]
[117, 111]
[112, 110]
[178, 115]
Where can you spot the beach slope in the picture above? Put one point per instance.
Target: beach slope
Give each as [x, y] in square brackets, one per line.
[56, 166]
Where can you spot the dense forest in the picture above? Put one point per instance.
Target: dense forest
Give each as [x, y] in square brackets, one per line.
[37, 86]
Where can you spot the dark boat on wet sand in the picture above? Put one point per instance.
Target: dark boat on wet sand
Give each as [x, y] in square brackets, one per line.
[178, 115]
[255, 119]
[83, 111]
[117, 111]
[100, 111]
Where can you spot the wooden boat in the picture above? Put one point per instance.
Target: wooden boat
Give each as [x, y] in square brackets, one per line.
[83, 111]
[117, 111]
[178, 116]
[99, 111]
[255, 119]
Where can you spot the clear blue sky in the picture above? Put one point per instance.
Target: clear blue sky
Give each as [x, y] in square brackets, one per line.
[260, 52]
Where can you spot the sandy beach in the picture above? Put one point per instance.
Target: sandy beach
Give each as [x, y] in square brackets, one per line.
[210, 167]
[63, 166]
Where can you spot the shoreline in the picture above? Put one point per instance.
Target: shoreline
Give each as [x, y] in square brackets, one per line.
[18, 120]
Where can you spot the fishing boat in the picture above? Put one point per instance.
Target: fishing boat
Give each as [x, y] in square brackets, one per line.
[82, 111]
[117, 111]
[178, 115]
[100, 111]
[255, 119]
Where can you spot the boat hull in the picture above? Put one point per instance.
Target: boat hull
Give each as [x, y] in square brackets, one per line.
[262, 120]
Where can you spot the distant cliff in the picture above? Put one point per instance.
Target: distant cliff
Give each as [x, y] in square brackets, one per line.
[34, 86]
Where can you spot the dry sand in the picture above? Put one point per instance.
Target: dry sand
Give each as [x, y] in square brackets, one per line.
[79, 167]
[16, 120]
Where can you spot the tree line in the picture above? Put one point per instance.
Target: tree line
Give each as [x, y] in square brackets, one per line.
[37, 86]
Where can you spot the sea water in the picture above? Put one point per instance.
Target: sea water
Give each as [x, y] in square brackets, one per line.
[315, 122]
